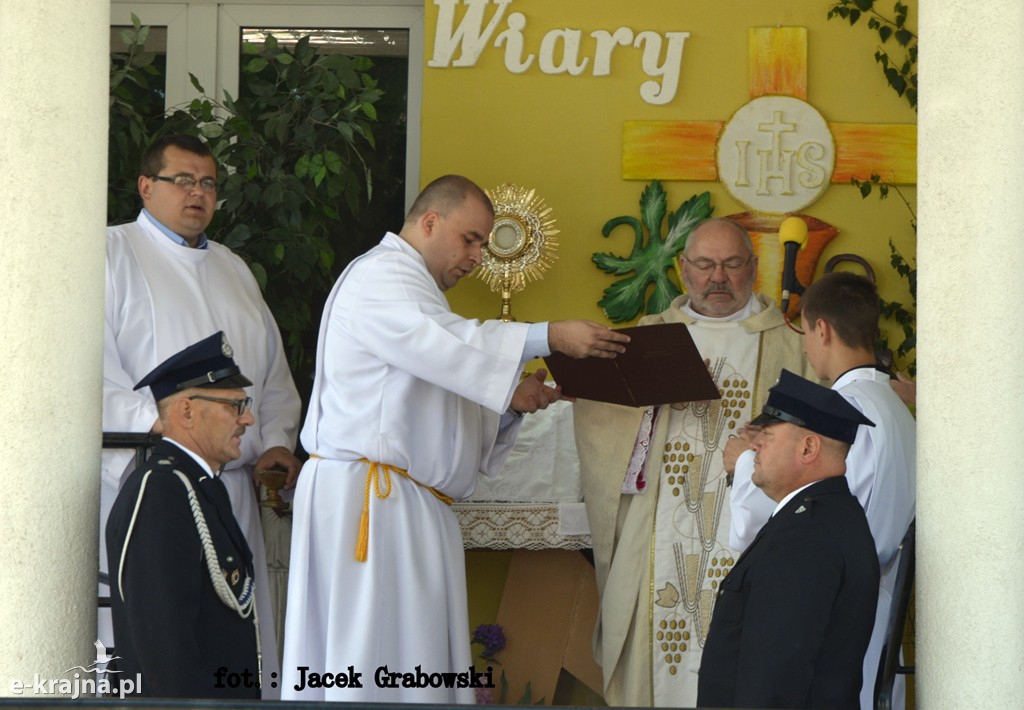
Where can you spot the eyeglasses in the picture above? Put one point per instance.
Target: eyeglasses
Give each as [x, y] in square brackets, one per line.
[730, 266]
[188, 183]
[242, 405]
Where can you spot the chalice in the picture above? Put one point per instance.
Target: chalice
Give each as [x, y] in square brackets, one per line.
[273, 481]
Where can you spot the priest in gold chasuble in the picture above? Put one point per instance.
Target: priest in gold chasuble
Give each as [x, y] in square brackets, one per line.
[655, 486]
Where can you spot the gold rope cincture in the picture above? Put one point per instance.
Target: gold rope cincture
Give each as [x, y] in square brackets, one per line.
[373, 477]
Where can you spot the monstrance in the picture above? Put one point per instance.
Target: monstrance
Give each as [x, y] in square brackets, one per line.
[522, 245]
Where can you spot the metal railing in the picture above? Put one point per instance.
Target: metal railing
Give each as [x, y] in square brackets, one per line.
[889, 666]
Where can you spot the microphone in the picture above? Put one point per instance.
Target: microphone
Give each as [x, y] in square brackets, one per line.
[793, 235]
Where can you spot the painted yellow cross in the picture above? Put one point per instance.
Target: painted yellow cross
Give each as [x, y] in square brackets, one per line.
[689, 150]
[776, 155]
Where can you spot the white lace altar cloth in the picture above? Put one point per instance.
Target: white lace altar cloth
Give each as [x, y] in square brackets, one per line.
[535, 503]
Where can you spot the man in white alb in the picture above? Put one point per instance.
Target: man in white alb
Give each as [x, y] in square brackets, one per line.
[656, 492]
[839, 316]
[410, 403]
[168, 287]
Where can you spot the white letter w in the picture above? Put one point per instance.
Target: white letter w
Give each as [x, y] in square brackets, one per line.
[468, 34]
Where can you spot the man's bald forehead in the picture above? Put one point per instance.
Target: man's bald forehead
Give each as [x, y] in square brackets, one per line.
[716, 229]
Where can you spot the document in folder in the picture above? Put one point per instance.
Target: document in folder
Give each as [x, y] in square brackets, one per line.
[661, 365]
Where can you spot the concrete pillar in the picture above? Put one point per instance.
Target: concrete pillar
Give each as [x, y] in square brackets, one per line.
[53, 157]
[970, 618]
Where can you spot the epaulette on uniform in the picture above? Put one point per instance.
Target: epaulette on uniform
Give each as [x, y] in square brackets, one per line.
[167, 464]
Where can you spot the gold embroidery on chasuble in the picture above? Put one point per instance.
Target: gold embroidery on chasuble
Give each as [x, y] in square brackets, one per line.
[691, 552]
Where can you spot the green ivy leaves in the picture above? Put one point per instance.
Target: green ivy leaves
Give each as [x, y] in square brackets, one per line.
[905, 317]
[901, 75]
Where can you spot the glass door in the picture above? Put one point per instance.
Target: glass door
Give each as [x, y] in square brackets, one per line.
[391, 35]
[204, 39]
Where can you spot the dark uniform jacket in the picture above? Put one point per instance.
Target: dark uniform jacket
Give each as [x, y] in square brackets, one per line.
[171, 626]
[794, 615]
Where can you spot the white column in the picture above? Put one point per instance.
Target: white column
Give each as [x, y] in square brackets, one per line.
[970, 616]
[54, 58]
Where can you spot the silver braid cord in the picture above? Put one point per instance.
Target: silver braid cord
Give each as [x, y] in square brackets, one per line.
[244, 609]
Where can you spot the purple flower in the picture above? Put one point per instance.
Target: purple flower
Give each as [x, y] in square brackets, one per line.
[485, 696]
[491, 637]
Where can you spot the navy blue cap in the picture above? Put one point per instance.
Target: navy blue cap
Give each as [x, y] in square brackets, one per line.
[794, 400]
[208, 363]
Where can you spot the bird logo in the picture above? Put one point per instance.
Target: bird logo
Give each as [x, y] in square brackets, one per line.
[100, 664]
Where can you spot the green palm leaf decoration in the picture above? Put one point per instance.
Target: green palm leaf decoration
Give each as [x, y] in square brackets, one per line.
[649, 263]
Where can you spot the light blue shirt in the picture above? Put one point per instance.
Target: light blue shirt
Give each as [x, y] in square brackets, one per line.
[536, 342]
[201, 243]
[536, 346]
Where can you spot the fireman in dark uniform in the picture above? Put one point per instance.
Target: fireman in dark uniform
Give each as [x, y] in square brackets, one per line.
[181, 574]
[794, 615]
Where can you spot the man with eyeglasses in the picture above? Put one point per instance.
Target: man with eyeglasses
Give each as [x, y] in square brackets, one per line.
[183, 592]
[167, 287]
[656, 491]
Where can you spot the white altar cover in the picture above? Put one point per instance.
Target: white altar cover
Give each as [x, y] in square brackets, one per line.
[881, 470]
[400, 380]
[160, 298]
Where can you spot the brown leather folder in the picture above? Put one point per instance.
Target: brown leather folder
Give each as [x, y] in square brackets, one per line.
[661, 365]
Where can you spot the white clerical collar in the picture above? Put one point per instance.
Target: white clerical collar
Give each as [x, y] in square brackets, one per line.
[201, 462]
[753, 306]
